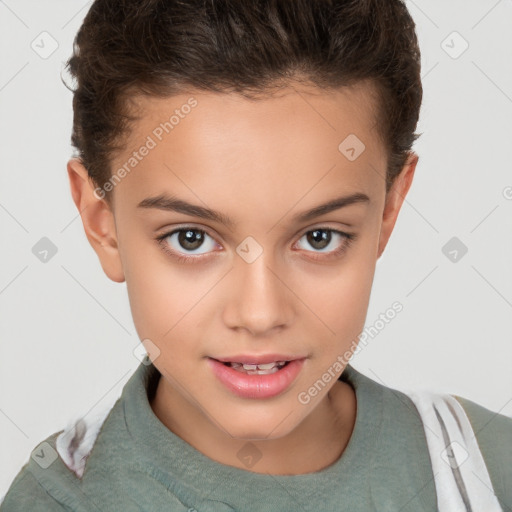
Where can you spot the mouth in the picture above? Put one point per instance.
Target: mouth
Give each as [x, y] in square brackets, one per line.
[257, 376]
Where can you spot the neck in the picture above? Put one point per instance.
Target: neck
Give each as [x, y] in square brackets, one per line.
[322, 436]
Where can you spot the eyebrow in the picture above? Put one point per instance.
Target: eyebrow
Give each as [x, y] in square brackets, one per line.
[169, 203]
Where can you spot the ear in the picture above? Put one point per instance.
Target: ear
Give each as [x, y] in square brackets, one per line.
[97, 218]
[395, 199]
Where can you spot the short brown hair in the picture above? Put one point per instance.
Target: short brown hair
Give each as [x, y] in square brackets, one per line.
[164, 47]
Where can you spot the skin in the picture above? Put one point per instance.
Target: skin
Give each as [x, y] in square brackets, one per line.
[260, 163]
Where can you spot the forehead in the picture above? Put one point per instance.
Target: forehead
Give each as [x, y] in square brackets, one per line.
[231, 148]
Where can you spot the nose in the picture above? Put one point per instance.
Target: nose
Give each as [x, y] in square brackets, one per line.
[259, 299]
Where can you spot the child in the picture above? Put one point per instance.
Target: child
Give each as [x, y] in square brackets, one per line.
[242, 166]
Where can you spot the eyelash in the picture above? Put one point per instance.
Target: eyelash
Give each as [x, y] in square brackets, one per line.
[349, 238]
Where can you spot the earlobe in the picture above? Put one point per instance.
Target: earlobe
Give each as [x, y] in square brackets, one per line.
[98, 220]
[395, 199]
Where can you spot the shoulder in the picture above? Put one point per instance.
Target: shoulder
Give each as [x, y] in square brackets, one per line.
[46, 483]
[51, 479]
[493, 432]
[26, 493]
[484, 421]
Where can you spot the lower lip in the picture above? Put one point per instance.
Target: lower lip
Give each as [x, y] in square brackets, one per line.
[256, 386]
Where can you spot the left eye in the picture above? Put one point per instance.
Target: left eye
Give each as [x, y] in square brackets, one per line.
[321, 238]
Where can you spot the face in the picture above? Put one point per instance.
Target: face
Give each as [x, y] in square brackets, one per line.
[227, 257]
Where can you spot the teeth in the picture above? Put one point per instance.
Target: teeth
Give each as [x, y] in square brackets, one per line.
[267, 372]
[258, 369]
[267, 366]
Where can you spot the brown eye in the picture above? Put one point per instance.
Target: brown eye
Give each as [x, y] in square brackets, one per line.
[326, 242]
[322, 238]
[192, 245]
[187, 241]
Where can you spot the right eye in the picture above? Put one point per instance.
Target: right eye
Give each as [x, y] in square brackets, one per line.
[181, 243]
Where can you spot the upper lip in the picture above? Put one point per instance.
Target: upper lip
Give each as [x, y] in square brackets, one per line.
[257, 358]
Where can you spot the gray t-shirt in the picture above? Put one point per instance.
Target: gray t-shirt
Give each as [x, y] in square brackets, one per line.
[137, 463]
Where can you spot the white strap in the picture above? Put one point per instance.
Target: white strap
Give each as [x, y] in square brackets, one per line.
[461, 477]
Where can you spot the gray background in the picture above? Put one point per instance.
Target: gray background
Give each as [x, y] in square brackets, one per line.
[67, 337]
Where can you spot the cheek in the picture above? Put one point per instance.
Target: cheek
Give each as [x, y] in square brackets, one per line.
[167, 301]
[339, 300]
[159, 295]
[162, 313]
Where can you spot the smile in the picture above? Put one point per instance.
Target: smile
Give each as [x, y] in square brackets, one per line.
[256, 380]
